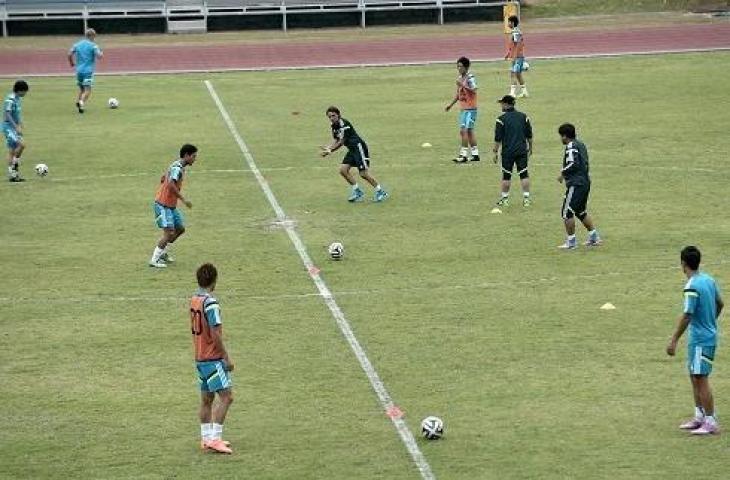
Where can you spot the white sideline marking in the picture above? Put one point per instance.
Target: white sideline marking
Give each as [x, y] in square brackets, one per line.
[375, 64]
[375, 382]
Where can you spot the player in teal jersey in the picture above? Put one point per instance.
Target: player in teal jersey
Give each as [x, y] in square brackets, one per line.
[13, 128]
[83, 56]
[702, 306]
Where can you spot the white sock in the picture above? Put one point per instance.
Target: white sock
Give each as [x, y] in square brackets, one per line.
[81, 102]
[355, 187]
[526, 194]
[166, 249]
[571, 238]
[524, 88]
[217, 431]
[505, 194]
[512, 89]
[711, 419]
[474, 150]
[463, 152]
[206, 429]
[378, 188]
[156, 255]
[699, 413]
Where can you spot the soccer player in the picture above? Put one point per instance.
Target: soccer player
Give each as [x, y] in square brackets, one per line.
[13, 128]
[357, 156]
[83, 56]
[466, 95]
[578, 184]
[513, 132]
[702, 307]
[211, 360]
[167, 216]
[516, 53]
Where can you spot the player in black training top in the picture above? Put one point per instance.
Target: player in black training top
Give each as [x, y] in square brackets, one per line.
[357, 156]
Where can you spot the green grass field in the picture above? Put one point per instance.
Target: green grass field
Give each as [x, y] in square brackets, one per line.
[474, 317]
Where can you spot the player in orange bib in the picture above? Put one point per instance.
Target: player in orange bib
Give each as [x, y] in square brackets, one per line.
[466, 95]
[516, 53]
[211, 361]
[167, 216]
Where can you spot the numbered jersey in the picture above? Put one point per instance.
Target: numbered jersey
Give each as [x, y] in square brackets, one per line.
[205, 316]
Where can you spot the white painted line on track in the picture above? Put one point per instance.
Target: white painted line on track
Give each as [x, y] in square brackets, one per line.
[375, 382]
[376, 64]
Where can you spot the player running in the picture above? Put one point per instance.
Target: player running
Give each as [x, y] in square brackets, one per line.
[466, 95]
[167, 216]
[578, 185]
[13, 128]
[83, 56]
[516, 53]
[702, 307]
[357, 156]
[211, 360]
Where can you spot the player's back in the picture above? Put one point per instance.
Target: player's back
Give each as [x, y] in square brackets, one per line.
[12, 103]
[204, 316]
[516, 129]
[701, 295]
[86, 52]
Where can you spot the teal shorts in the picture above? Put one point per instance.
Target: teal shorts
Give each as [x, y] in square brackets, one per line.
[699, 359]
[12, 138]
[518, 65]
[468, 119]
[167, 217]
[85, 79]
[212, 376]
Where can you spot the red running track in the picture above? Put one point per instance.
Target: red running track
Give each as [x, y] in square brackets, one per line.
[252, 56]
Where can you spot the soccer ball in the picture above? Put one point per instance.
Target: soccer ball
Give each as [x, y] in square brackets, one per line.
[336, 251]
[41, 169]
[432, 428]
[113, 103]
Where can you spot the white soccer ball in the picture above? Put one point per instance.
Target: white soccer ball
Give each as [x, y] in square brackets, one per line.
[432, 428]
[41, 169]
[336, 251]
[113, 103]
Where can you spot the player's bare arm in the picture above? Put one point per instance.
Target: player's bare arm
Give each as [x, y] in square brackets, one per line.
[327, 149]
[71, 60]
[176, 190]
[682, 324]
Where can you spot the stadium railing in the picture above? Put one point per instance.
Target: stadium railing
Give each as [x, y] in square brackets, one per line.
[197, 11]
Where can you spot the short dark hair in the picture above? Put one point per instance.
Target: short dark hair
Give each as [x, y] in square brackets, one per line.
[187, 149]
[21, 86]
[514, 19]
[207, 275]
[334, 109]
[464, 61]
[691, 257]
[567, 130]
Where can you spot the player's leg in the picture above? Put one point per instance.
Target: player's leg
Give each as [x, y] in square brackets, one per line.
[699, 416]
[205, 414]
[522, 169]
[580, 205]
[362, 160]
[568, 216]
[16, 146]
[513, 79]
[463, 155]
[507, 166]
[520, 80]
[165, 220]
[471, 135]
[178, 225]
[700, 366]
[80, 96]
[356, 193]
[220, 382]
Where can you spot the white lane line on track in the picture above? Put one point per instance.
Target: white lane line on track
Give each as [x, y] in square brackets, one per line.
[375, 382]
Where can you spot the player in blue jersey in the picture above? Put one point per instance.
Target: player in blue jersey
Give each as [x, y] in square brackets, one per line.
[702, 307]
[83, 56]
[13, 128]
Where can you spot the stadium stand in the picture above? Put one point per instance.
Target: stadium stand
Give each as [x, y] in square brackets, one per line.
[178, 16]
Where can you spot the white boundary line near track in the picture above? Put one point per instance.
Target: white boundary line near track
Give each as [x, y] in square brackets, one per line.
[375, 382]
[578, 56]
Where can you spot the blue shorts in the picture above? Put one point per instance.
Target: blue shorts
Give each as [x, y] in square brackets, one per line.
[85, 79]
[167, 217]
[213, 376]
[12, 137]
[518, 65]
[699, 359]
[468, 119]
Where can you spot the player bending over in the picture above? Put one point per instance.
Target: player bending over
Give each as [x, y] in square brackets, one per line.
[357, 156]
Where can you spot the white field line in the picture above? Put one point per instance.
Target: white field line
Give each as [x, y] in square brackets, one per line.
[375, 64]
[379, 167]
[232, 295]
[375, 382]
